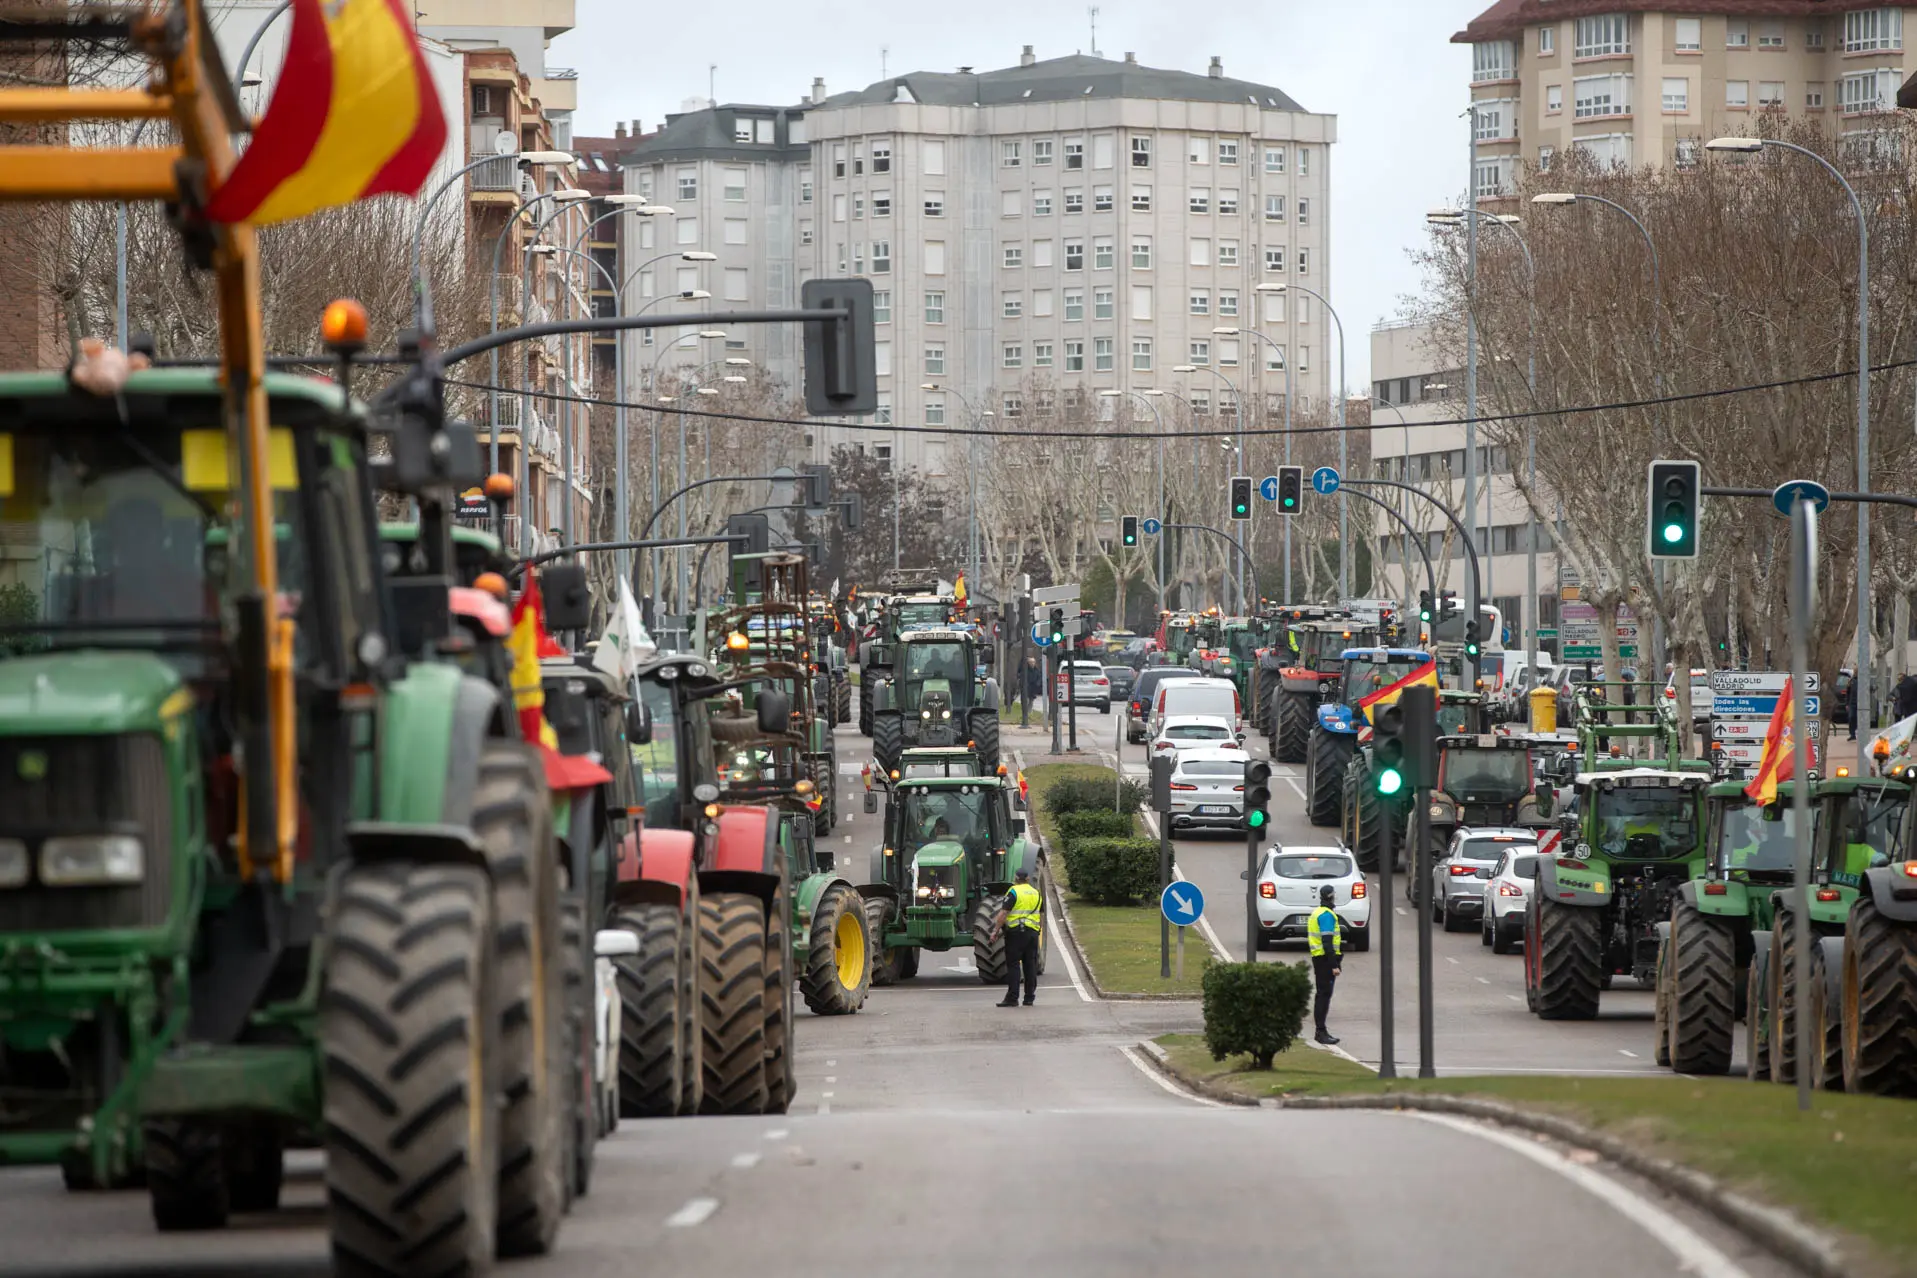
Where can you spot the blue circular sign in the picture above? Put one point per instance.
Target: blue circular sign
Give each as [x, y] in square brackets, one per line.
[1788, 494]
[1154, 527]
[1182, 903]
[1041, 635]
[1268, 488]
[1324, 480]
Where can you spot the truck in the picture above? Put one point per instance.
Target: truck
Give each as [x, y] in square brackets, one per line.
[935, 695]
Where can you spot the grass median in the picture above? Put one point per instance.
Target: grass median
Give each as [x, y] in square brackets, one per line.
[1847, 1166]
[1119, 941]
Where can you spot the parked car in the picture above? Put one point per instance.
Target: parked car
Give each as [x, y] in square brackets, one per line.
[1122, 677]
[1289, 881]
[1197, 696]
[1196, 732]
[1513, 879]
[1457, 888]
[1208, 790]
[1700, 693]
[1089, 686]
[1137, 710]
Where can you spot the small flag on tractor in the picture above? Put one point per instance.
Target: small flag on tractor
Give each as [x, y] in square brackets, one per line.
[958, 590]
[1779, 762]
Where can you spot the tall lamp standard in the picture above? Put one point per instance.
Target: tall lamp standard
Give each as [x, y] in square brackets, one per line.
[1750, 146]
[1284, 363]
[1344, 442]
[1150, 397]
[652, 386]
[422, 284]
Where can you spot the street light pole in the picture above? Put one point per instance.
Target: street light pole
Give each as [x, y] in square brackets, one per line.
[1344, 437]
[1284, 362]
[1159, 422]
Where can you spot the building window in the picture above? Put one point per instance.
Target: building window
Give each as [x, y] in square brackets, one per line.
[1227, 351]
[1041, 203]
[1199, 353]
[1141, 252]
[688, 184]
[738, 285]
[1814, 96]
[1014, 356]
[1304, 161]
[1677, 94]
[1013, 305]
[1141, 355]
[1737, 94]
[1607, 150]
[1493, 178]
[649, 233]
[1074, 153]
[1010, 203]
[1200, 252]
[1228, 252]
[1074, 199]
[882, 410]
[838, 159]
[935, 361]
[1275, 360]
[1041, 253]
[882, 156]
[1141, 199]
[1304, 211]
[1600, 95]
[1008, 154]
[1690, 35]
[1547, 41]
[1770, 93]
[1227, 152]
[858, 159]
[1104, 253]
[1686, 154]
[1603, 34]
[1075, 357]
[1553, 99]
[687, 230]
[934, 259]
[1868, 29]
[1813, 36]
[1103, 198]
[1141, 302]
[1737, 33]
[858, 206]
[1866, 92]
[1199, 151]
[1141, 152]
[1103, 303]
[935, 410]
[881, 257]
[1227, 302]
[881, 204]
[1200, 302]
[1274, 159]
[1545, 156]
[935, 307]
[1770, 35]
[839, 203]
[935, 204]
[882, 306]
[1200, 199]
[1074, 304]
[932, 159]
[735, 232]
[735, 188]
[1227, 203]
[1104, 352]
[1493, 60]
[1275, 261]
[1012, 406]
[1041, 150]
[805, 232]
[1042, 303]
[1274, 208]
[1041, 354]
[1074, 255]
[1014, 257]
[858, 258]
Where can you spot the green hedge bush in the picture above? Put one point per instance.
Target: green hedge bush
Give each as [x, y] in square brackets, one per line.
[1112, 871]
[1084, 795]
[1257, 1009]
[1082, 824]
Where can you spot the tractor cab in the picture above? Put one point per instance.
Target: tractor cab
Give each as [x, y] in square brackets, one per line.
[1364, 672]
[938, 761]
[1859, 828]
[945, 839]
[1749, 843]
[1487, 780]
[935, 697]
[1641, 814]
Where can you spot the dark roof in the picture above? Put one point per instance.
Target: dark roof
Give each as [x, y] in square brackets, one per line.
[708, 135]
[1508, 18]
[599, 163]
[1065, 79]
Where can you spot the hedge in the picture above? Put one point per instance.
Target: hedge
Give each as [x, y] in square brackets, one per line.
[1091, 824]
[1255, 1008]
[1084, 795]
[1112, 871]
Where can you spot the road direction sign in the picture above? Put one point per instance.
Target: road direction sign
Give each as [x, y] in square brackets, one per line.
[1153, 526]
[1789, 493]
[1268, 488]
[1547, 632]
[1758, 682]
[1053, 596]
[1182, 903]
[1324, 480]
[1762, 706]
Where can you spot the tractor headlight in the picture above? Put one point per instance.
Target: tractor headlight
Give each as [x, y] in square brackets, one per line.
[86, 860]
[946, 893]
[945, 714]
[925, 890]
[925, 714]
[15, 863]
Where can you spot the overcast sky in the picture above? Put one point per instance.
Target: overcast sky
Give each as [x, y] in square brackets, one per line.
[1383, 67]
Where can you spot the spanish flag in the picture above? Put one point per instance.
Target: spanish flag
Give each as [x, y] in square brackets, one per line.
[1779, 762]
[354, 115]
[527, 643]
[1388, 695]
[958, 590]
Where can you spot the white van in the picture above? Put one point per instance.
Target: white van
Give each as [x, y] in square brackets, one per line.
[1197, 696]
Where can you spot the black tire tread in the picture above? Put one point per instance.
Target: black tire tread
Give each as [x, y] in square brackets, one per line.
[186, 1181]
[1326, 758]
[988, 953]
[651, 1008]
[1293, 727]
[888, 739]
[1880, 1003]
[1703, 1003]
[732, 1003]
[825, 994]
[1572, 954]
[885, 963]
[779, 1083]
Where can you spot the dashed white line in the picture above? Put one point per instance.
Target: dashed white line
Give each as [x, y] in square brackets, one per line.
[695, 1212]
[831, 1064]
[1483, 981]
[1297, 788]
[1514, 998]
[1398, 910]
[831, 1078]
[778, 1133]
[746, 1160]
[1449, 959]
[826, 1095]
[1622, 1052]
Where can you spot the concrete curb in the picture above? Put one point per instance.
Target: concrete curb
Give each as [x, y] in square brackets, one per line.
[1162, 1063]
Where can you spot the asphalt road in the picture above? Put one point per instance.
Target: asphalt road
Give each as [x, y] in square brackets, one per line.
[939, 1134]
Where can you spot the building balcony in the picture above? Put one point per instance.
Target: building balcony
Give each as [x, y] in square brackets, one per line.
[558, 89]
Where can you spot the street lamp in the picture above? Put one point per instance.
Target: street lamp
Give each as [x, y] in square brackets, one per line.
[422, 287]
[1751, 146]
[1344, 444]
[1284, 364]
[1232, 554]
[1150, 396]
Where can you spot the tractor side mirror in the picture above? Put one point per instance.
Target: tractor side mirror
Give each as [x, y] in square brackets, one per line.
[871, 801]
[775, 711]
[614, 942]
[568, 597]
[1545, 801]
[638, 723]
[1018, 825]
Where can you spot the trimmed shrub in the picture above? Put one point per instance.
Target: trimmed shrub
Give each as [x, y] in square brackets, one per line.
[1257, 1009]
[1091, 824]
[1112, 871]
[1083, 795]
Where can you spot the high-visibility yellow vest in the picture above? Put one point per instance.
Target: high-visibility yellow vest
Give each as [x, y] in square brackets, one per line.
[1026, 907]
[1325, 922]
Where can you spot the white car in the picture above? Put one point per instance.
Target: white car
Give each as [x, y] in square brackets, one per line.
[1089, 686]
[608, 1012]
[1196, 732]
[1460, 880]
[1208, 789]
[1289, 881]
[1506, 893]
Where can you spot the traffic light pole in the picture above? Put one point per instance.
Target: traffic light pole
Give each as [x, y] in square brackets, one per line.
[1071, 688]
[1234, 542]
[1411, 535]
[1051, 659]
[1387, 1007]
[1024, 652]
[1421, 827]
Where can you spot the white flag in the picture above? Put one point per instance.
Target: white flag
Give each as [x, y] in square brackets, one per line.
[626, 644]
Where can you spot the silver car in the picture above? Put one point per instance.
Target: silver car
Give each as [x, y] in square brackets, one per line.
[1089, 686]
[1459, 880]
[1208, 790]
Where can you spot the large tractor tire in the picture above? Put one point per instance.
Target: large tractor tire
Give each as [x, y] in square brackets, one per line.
[1783, 996]
[1292, 735]
[779, 1078]
[732, 1003]
[1661, 1016]
[581, 1048]
[841, 700]
[908, 962]
[1703, 994]
[1325, 761]
[885, 962]
[692, 984]
[1365, 813]
[411, 1091]
[512, 815]
[1570, 959]
[888, 739]
[187, 1184]
[866, 699]
[1827, 1024]
[1880, 1003]
[838, 970]
[1757, 1047]
[988, 951]
[652, 1006]
[985, 736]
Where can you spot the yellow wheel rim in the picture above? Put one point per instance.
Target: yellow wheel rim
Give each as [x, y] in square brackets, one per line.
[848, 943]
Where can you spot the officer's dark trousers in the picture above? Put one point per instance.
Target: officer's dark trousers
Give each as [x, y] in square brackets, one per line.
[1021, 952]
[1322, 980]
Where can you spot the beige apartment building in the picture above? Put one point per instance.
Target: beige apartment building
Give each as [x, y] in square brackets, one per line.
[1648, 83]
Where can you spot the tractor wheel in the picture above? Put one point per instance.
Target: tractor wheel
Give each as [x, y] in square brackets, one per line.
[1325, 762]
[778, 1005]
[985, 734]
[735, 728]
[1827, 1025]
[1661, 1016]
[1292, 733]
[410, 1088]
[652, 1005]
[512, 815]
[1570, 954]
[1783, 997]
[580, 1034]
[1757, 1055]
[888, 740]
[1703, 992]
[838, 971]
[1880, 1003]
[1365, 813]
[865, 707]
[692, 983]
[908, 962]
[885, 962]
[988, 952]
[842, 701]
[732, 1002]
[186, 1181]
[255, 1155]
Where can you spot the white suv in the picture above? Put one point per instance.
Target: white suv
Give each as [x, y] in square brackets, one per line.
[1513, 879]
[1089, 685]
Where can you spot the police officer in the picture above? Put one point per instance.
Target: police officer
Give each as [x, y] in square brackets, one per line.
[1327, 939]
[1021, 915]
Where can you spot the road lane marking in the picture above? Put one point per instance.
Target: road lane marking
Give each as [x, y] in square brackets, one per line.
[1622, 1052]
[1398, 910]
[831, 1064]
[1071, 964]
[826, 1095]
[693, 1213]
[746, 1161]
[1449, 959]
[1142, 1067]
[1204, 923]
[1514, 998]
[778, 1133]
[1695, 1254]
[1484, 980]
[1297, 788]
[831, 1078]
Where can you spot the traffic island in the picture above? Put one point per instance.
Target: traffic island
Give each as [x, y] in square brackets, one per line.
[1827, 1190]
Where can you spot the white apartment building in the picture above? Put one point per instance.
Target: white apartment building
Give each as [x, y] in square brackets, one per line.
[1414, 397]
[1077, 223]
[1648, 83]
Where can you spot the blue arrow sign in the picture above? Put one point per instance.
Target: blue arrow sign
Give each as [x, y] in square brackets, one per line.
[1268, 488]
[1787, 495]
[1153, 527]
[1324, 480]
[1182, 903]
[1041, 635]
[1760, 706]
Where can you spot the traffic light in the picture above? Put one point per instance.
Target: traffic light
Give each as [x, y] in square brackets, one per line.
[1424, 606]
[1257, 796]
[1671, 512]
[1058, 625]
[1387, 754]
[1471, 638]
[1128, 530]
[1291, 489]
[1418, 732]
[1241, 497]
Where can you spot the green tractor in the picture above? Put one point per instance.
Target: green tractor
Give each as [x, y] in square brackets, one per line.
[952, 847]
[1293, 675]
[1633, 837]
[1878, 969]
[834, 674]
[765, 631]
[935, 697]
[916, 601]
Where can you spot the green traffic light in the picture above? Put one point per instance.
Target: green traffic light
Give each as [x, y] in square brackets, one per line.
[1674, 533]
[1255, 820]
[1390, 781]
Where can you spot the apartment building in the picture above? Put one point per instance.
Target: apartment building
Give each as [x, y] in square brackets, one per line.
[1646, 83]
[1414, 397]
[1051, 229]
